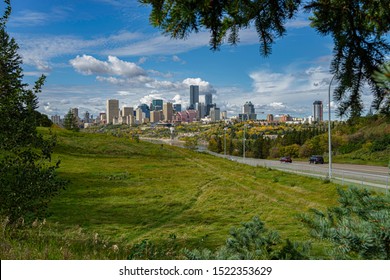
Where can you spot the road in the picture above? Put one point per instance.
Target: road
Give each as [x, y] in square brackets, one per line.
[363, 175]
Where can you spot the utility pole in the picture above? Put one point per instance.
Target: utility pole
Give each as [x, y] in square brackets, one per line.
[329, 132]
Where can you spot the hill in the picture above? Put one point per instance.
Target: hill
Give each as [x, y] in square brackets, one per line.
[126, 191]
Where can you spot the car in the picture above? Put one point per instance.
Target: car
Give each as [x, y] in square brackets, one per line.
[286, 159]
[316, 159]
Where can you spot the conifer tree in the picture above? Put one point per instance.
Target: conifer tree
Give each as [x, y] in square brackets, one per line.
[70, 122]
[27, 175]
[359, 30]
[359, 227]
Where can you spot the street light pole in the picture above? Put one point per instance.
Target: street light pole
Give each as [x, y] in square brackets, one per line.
[243, 140]
[329, 132]
[225, 141]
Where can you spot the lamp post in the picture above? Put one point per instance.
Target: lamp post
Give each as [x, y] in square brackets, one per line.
[243, 140]
[329, 132]
[224, 144]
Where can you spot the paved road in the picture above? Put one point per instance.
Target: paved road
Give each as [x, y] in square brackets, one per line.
[365, 175]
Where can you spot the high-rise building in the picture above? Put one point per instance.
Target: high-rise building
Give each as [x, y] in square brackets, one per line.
[194, 96]
[103, 118]
[177, 107]
[318, 111]
[168, 111]
[126, 115]
[56, 119]
[112, 110]
[145, 109]
[270, 118]
[249, 110]
[86, 117]
[201, 110]
[156, 105]
[208, 98]
[75, 112]
[139, 115]
[156, 116]
[127, 111]
[215, 114]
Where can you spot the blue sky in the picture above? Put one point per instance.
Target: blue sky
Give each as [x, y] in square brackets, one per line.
[94, 50]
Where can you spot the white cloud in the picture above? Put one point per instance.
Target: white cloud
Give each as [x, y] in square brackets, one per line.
[89, 65]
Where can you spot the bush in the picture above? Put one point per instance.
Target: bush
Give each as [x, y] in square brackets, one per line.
[27, 186]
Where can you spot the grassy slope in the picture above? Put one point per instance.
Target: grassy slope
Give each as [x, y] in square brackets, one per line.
[134, 191]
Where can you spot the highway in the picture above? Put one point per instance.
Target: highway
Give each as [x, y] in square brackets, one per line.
[346, 174]
[352, 174]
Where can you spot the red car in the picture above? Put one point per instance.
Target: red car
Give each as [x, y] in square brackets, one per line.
[286, 159]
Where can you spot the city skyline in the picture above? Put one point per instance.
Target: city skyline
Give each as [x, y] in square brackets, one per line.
[96, 50]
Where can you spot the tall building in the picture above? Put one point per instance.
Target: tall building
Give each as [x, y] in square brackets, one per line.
[201, 110]
[215, 114]
[249, 110]
[270, 118]
[112, 110]
[194, 96]
[318, 111]
[208, 98]
[127, 115]
[139, 115]
[86, 117]
[75, 112]
[177, 107]
[145, 109]
[168, 111]
[127, 111]
[156, 116]
[56, 119]
[103, 118]
[156, 105]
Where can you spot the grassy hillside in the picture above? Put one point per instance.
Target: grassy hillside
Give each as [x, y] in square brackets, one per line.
[126, 191]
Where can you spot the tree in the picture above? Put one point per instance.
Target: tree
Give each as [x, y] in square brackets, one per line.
[70, 122]
[359, 227]
[27, 176]
[359, 29]
[253, 241]
[382, 78]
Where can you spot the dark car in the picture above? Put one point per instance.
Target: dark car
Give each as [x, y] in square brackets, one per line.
[316, 159]
[286, 159]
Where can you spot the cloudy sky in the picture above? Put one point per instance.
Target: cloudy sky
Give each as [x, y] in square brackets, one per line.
[94, 50]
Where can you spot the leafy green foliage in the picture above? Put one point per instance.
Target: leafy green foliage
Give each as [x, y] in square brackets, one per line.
[359, 227]
[27, 177]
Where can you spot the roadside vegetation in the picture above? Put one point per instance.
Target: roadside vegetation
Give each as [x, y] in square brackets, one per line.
[364, 140]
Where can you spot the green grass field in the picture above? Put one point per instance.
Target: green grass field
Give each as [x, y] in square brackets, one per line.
[127, 191]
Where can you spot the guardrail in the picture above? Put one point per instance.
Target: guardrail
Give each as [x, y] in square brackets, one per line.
[343, 177]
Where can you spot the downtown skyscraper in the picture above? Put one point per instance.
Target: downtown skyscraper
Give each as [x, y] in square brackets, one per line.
[194, 96]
